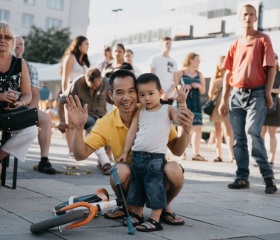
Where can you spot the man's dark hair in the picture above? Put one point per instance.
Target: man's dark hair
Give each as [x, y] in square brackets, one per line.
[92, 74]
[121, 74]
[148, 78]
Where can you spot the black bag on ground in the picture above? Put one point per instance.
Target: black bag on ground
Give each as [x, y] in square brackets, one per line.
[18, 118]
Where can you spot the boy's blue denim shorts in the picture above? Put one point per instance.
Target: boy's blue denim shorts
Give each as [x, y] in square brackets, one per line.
[147, 180]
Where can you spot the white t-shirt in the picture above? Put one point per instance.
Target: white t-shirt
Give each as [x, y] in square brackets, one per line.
[153, 131]
[165, 67]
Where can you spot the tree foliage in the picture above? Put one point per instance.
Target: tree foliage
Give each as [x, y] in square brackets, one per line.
[46, 46]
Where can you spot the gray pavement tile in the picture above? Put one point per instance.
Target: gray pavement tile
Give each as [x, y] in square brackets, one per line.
[254, 209]
[28, 236]
[23, 205]
[269, 236]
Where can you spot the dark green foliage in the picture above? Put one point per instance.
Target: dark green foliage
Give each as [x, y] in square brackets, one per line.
[46, 46]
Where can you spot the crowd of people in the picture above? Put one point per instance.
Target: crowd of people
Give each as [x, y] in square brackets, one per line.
[109, 109]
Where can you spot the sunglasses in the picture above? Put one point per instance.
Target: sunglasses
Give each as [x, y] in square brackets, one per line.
[5, 37]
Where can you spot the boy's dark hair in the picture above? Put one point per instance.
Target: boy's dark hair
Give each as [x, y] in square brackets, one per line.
[148, 78]
[122, 73]
[166, 39]
[92, 74]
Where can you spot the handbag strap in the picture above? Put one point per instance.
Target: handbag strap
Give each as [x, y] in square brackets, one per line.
[9, 73]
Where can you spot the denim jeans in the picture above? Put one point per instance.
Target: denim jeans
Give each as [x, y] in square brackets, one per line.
[147, 180]
[90, 123]
[247, 115]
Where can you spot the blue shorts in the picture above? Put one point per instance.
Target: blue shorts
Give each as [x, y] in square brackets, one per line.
[147, 180]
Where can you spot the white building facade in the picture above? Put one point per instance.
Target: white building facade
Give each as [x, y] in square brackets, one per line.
[45, 14]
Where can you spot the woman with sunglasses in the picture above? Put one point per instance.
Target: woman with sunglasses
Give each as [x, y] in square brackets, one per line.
[15, 92]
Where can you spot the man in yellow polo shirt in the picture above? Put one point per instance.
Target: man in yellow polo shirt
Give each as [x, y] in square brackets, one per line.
[112, 130]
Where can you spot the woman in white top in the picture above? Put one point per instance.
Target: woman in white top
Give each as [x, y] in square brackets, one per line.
[74, 64]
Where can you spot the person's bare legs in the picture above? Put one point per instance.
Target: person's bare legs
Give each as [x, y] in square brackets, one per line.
[273, 143]
[174, 181]
[124, 174]
[218, 140]
[229, 139]
[195, 140]
[44, 136]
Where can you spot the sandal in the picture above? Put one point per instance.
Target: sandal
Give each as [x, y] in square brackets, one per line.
[218, 159]
[199, 158]
[135, 219]
[117, 211]
[105, 169]
[150, 226]
[164, 218]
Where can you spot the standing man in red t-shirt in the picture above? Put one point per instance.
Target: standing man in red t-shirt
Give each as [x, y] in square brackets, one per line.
[250, 72]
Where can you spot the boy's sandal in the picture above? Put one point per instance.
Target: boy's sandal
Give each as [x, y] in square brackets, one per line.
[218, 159]
[164, 218]
[150, 226]
[118, 213]
[135, 218]
[199, 158]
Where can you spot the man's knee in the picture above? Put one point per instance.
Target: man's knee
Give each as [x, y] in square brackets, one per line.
[174, 173]
[124, 174]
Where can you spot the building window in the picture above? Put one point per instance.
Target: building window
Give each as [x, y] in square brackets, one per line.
[53, 23]
[55, 4]
[27, 20]
[29, 2]
[4, 15]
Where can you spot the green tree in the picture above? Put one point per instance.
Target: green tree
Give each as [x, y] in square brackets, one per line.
[46, 46]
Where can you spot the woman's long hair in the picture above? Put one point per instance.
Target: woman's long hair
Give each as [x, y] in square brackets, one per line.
[74, 49]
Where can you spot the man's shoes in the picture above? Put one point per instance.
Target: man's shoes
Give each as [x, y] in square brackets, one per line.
[270, 186]
[239, 183]
[45, 166]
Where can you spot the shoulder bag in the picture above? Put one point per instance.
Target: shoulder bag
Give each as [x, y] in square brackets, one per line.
[19, 118]
[209, 105]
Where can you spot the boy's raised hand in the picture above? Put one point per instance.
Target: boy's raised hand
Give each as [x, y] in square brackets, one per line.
[182, 93]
